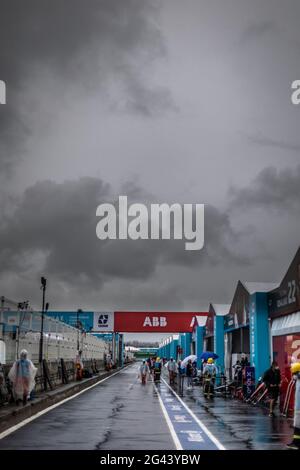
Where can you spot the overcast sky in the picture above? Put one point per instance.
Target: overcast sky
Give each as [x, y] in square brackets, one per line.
[162, 100]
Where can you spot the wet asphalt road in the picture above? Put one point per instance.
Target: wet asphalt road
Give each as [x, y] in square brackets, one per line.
[237, 425]
[119, 413]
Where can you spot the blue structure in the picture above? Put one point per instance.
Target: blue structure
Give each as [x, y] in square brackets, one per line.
[169, 347]
[105, 336]
[199, 340]
[173, 348]
[187, 344]
[168, 350]
[180, 343]
[184, 343]
[70, 318]
[249, 316]
[259, 333]
[219, 311]
[219, 341]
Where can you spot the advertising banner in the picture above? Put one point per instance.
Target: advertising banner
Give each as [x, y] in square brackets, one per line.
[105, 336]
[249, 381]
[160, 322]
[85, 319]
[103, 322]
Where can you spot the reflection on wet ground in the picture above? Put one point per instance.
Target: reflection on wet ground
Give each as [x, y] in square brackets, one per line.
[239, 425]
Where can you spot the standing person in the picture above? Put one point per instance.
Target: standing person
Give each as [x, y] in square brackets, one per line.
[157, 370]
[172, 371]
[180, 372]
[79, 366]
[238, 373]
[244, 361]
[180, 369]
[272, 379]
[108, 362]
[202, 367]
[144, 371]
[22, 375]
[4, 393]
[295, 444]
[194, 373]
[209, 377]
[189, 374]
[152, 365]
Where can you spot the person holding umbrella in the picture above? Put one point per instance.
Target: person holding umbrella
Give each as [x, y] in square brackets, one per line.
[207, 355]
[187, 363]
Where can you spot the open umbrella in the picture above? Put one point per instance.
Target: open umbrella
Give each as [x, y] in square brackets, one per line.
[207, 354]
[192, 357]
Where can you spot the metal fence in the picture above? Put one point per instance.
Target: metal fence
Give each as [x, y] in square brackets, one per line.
[20, 328]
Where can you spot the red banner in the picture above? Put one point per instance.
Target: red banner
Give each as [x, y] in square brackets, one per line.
[158, 322]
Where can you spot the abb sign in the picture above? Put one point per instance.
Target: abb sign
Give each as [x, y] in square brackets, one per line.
[159, 322]
[155, 321]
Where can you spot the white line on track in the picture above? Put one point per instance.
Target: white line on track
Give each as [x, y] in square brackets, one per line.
[205, 429]
[169, 422]
[40, 413]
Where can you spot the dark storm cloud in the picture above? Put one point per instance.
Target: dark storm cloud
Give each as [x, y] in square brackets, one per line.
[57, 221]
[219, 244]
[272, 189]
[87, 43]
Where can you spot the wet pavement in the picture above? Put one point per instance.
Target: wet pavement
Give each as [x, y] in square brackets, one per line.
[238, 425]
[120, 413]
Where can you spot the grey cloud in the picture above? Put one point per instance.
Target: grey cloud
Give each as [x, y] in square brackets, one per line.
[100, 57]
[264, 141]
[219, 245]
[256, 31]
[55, 224]
[83, 44]
[272, 189]
[59, 221]
[147, 101]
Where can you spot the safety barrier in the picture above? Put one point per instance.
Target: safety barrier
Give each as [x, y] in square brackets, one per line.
[21, 329]
[59, 373]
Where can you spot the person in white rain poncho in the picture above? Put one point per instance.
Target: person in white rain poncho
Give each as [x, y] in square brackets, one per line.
[172, 370]
[22, 375]
[144, 371]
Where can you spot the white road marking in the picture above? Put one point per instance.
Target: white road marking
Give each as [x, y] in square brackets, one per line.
[46, 410]
[182, 419]
[176, 408]
[169, 422]
[194, 436]
[202, 426]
